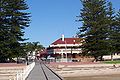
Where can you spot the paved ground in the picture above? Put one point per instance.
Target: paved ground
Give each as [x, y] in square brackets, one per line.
[41, 72]
[36, 73]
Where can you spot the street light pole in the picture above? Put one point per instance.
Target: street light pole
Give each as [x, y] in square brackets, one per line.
[66, 50]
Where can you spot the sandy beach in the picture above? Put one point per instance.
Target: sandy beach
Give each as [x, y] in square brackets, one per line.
[100, 77]
[11, 65]
[92, 71]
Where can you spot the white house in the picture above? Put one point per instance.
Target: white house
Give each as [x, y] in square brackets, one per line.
[65, 49]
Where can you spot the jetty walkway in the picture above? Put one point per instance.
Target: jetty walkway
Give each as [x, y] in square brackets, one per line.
[42, 72]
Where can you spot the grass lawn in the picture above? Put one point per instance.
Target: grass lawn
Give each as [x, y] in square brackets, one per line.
[112, 62]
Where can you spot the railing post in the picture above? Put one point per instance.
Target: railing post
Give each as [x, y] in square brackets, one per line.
[17, 76]
[21, 75]
[14, 77]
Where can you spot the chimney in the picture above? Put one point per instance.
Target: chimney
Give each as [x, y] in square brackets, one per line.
[63, 38]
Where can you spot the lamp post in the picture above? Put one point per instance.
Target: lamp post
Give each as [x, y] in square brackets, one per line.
[72, 46]
[62, 56]
[66, 50]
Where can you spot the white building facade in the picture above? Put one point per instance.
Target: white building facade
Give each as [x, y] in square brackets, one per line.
[65, 49]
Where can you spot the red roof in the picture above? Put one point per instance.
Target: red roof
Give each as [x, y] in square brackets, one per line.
[67, 41]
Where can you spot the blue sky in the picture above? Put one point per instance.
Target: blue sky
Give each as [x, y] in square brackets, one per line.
[52, 18]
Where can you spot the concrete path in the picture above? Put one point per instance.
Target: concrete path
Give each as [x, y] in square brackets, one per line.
[36, 73]
[41, 72]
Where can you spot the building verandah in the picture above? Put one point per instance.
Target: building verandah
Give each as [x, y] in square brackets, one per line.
[69, 56]
[65, 54]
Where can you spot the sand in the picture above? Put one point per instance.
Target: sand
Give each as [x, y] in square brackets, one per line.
[103, 77]
[88, 71]
[66, 72]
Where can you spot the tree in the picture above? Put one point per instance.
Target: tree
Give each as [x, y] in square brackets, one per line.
[117, 32]
[13, 20]
[111, 30]
[33, 46]
[94, 29]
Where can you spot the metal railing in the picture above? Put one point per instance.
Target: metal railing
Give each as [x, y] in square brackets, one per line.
[45, 73]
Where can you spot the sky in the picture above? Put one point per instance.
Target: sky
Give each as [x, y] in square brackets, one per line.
[52, 18]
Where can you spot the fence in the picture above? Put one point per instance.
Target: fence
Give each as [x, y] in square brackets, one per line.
[15, 73]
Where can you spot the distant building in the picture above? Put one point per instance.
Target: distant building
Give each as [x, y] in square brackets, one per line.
[65, 49]
[43, 53]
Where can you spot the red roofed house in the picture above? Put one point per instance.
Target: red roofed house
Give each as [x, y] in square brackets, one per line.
[65, 49]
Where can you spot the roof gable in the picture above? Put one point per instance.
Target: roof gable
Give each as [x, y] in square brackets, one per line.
[67, 41]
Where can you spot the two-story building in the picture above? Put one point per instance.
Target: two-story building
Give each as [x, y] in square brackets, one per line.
[65, 49]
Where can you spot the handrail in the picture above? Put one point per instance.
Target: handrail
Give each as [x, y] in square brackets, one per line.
[54, 73]
[51, 71]
[27, 70]
[44, 72]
